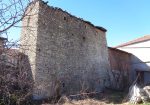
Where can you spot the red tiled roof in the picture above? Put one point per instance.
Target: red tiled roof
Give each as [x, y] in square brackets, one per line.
[12, 52]
[138, 40]
[11, 57]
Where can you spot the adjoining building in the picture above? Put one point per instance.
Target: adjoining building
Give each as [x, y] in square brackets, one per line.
[66, 54]
[2, 42]
[8, 56]
[140, 50]
[120, 63]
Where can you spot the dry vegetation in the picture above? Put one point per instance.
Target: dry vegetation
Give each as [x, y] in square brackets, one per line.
[17, 93]
[107, 98]
[91, 102]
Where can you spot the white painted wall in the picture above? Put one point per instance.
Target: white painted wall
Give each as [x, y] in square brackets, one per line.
[141, 51]
[140, 58]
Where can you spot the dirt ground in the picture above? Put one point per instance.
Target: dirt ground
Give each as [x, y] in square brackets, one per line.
[107, 98]
[91, 102]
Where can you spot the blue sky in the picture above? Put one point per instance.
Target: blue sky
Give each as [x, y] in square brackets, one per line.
[124, 19]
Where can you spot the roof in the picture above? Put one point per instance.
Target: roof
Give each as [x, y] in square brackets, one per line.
[138, 40]
[2, 38]
[10, 52]
[115, 49]
[11, 57]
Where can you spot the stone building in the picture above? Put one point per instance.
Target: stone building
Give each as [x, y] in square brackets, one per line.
[2, 42]
[140, 59]
[8, 56]
[67, 55]
[120, 63]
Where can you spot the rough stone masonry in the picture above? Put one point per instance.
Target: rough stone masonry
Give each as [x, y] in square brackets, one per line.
[67, 55]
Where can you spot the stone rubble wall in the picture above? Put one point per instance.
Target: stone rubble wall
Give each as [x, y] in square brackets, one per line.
[70, 55]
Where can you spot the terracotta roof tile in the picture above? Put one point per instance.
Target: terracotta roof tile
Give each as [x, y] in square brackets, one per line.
[138, 40]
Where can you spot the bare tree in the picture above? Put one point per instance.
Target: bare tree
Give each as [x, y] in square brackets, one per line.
[11, 13]
[13, 80]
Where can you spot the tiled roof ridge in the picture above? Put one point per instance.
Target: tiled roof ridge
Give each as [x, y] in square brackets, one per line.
[137, 40]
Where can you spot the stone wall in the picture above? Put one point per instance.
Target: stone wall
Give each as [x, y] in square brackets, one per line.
[28, 38]
[70, 55]
[120, 63]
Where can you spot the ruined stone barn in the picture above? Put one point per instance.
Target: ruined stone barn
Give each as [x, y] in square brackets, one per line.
[67, 55]
[120, 64]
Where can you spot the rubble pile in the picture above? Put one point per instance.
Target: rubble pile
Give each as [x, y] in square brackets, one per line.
[138, 94]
